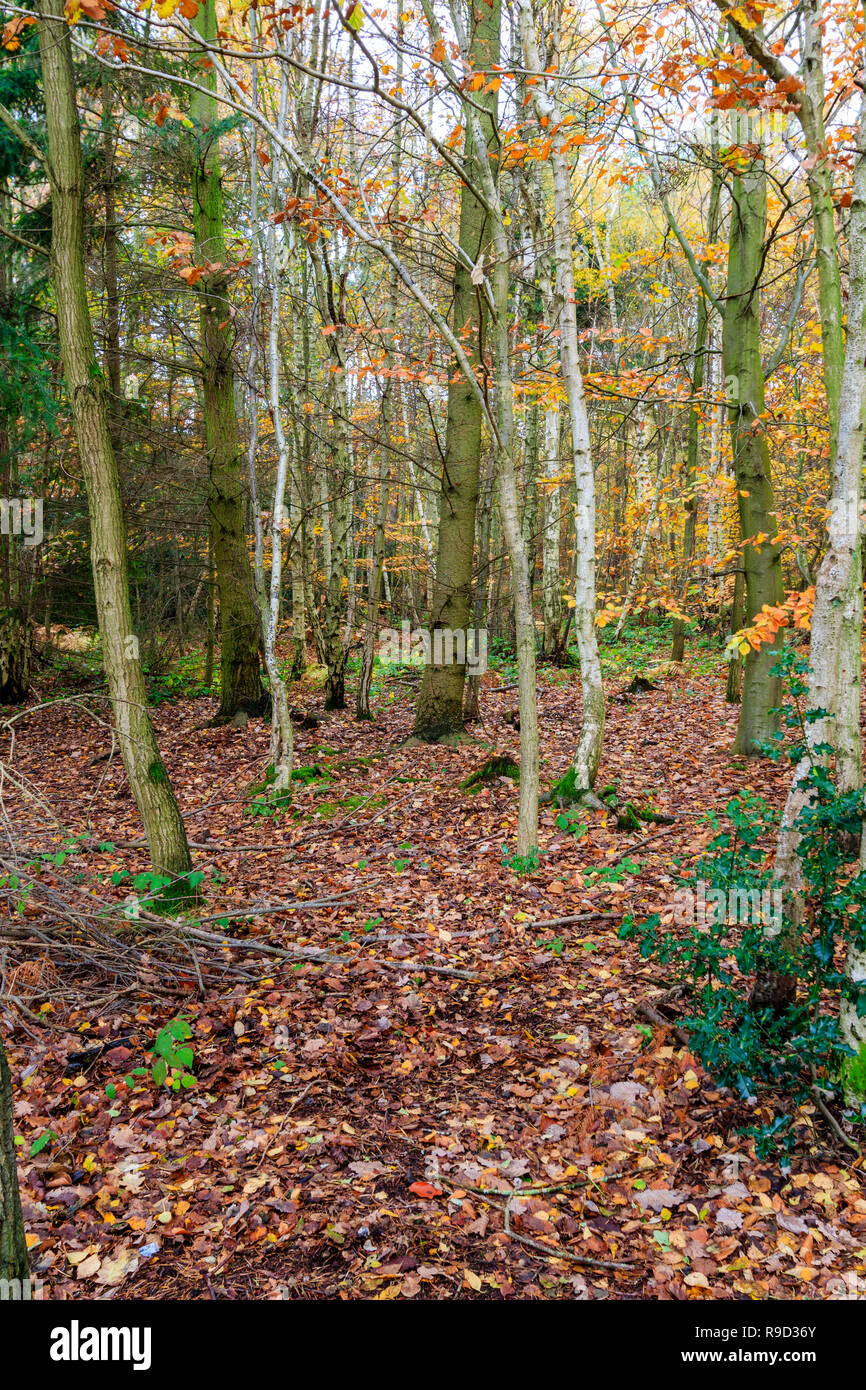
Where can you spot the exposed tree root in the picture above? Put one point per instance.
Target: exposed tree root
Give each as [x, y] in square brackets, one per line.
[500, 765]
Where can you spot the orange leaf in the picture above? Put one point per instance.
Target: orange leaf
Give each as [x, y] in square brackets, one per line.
[425, 1189]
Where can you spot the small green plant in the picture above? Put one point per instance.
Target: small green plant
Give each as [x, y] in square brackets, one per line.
[555, 944]
[42, 1142]
[613, 873]
[521, 864]
[182, 679]
[172, 1064]
[787, 1040]
[23, 890]
[160, 893]
[271, 804]
[572, 824]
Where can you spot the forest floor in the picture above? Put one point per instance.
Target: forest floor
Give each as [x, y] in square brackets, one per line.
[357, 1127]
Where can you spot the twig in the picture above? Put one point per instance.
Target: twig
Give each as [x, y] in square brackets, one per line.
[320, 957]
[265, 910]
[579, 917]
[656, 835]
[644, 1009]
[834, 1123]
[535, 1244]
[549, 1254]
[297, 1100]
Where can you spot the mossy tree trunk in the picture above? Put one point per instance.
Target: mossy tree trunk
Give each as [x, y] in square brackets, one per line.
[14, 1263]
[761, 557]
[86, 389]
[240, 638]
[439, 710]
[16, 653]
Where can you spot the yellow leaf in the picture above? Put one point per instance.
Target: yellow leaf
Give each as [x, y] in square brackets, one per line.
[88, 1267]
[389, 1291]
[472, 1280]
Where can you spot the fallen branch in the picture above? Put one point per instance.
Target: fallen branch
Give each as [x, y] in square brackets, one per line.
[549, 1254]
[578, 917]
[545, 1250]
[645, 1010]
[317, 956]
[834, 1123]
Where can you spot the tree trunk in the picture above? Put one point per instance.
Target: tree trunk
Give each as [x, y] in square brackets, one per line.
[239, 623]
[471, 703]
[588, 751]
[86, 390]
[270, 595]
[640, 558]
[693, 440]
[551, 581]
[388, 413]
[14, 1263]
[337, 517]
[111, 355]
[439, 711]
[744, 379]
[837, 615]
[734, 687]
[16, 654]
[819, 179]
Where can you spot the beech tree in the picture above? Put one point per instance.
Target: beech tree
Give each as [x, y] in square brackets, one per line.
[240, 687]
[86, 388]
[744, 377]
[14, 1262]
[439, 711]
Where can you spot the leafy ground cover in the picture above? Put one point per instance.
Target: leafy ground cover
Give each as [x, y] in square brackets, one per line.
[472, 1096]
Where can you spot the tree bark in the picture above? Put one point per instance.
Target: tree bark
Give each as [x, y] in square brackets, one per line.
[838, 613]
[14, 1263]
[240, 672]
[439, 711]
[588, 752]
[761, 557]
[86, 388]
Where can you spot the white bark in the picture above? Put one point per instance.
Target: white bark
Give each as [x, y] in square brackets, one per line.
[551, 584]
[589, 745]
[834, 650]
[269, 594]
